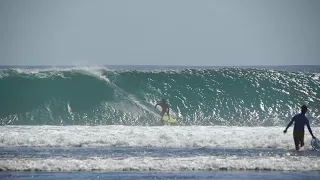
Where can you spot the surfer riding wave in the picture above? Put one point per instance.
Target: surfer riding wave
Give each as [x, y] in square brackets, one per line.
[165, 108]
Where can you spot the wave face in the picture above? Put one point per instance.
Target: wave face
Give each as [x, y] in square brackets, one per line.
[98, 96]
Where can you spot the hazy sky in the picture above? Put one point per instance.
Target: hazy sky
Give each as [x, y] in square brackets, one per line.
[159, 32]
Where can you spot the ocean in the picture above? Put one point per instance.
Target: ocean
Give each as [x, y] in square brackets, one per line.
[69, 122]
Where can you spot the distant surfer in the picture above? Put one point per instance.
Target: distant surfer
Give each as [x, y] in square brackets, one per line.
[300, 120]
[164, 106]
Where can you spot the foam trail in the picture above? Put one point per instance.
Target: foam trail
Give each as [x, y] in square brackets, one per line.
[199, 163]
[134, 100]
[154, 136]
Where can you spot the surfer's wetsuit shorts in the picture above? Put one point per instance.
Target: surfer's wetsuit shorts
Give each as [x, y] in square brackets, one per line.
[164, 111]
[298, 137]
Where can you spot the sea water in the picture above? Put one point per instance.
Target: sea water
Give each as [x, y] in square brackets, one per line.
[100, 122]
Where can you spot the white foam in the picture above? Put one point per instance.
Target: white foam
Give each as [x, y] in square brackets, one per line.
[155, 136]
[50, 72]
[198, 163]
[93, 71]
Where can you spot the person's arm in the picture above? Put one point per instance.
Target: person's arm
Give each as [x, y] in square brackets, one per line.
[310, 131]
[168, 112]
[290, 123]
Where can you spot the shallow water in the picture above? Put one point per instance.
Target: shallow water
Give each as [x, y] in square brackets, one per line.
[239, 175]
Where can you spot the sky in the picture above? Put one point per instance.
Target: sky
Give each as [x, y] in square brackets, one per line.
[160, 32]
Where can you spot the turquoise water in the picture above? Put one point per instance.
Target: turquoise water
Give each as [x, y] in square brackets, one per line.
[100, 122]
[100, 96]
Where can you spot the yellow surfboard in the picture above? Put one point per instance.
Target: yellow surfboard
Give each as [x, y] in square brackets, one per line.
[171, 120]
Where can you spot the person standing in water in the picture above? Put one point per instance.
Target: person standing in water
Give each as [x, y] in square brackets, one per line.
[300, 120]
[164, 106]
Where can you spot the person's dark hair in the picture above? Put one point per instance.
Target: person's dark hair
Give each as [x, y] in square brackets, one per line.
[304, 108]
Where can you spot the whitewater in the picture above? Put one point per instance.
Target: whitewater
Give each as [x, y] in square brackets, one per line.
[103, 120]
